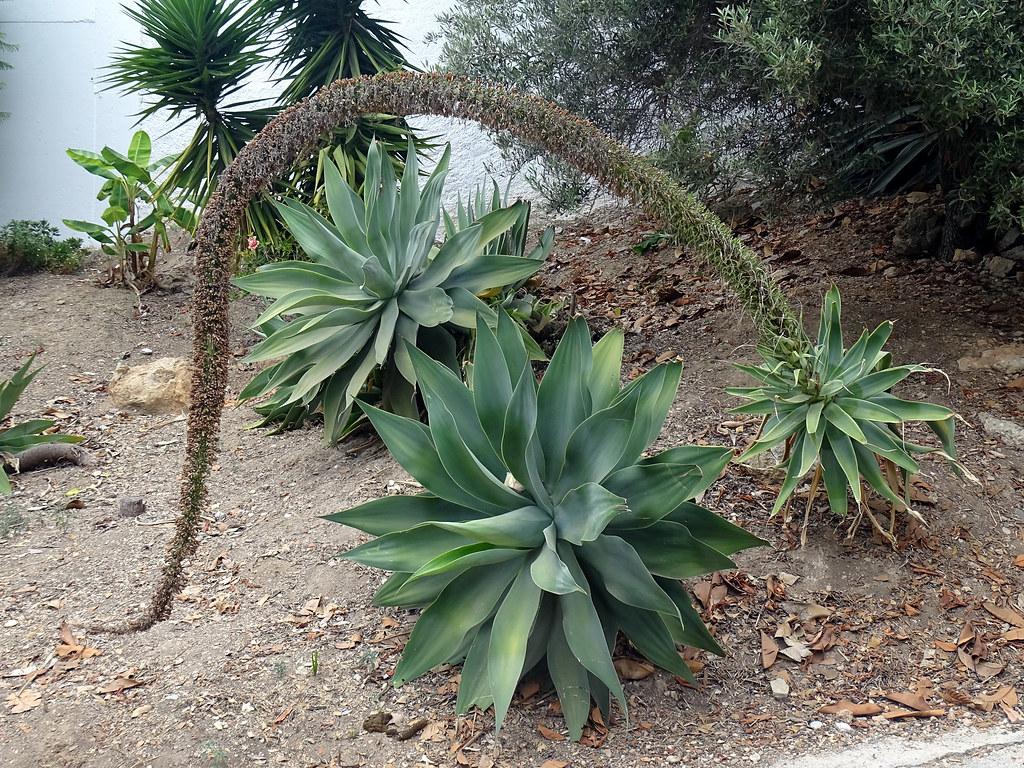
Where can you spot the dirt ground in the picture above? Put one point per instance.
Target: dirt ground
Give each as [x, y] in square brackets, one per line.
[274, 654]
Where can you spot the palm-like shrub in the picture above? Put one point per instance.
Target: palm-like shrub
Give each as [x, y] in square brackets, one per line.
[542, 532]
[376, 279]
[843, 420]
[17, 437]
[198, 56]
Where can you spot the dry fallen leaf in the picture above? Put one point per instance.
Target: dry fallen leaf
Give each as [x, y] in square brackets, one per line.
[1019, 561]
[118, 684]
[24, 701]
[857, 710]
[549, 734]
[912, 700]
[769, 651]
[628, 669]
[1005, 614]
[1014, 635]
[554, 764]
[897, 714]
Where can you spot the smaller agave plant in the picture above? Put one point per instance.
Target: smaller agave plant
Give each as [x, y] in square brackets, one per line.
[524, 307]
[843, 420]
[16, 438]
[377, 286]
[542, 532]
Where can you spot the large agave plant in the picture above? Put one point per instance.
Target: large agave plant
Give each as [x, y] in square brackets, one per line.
[843, 422]
[17, 437]
[542, 532]
[376, 279]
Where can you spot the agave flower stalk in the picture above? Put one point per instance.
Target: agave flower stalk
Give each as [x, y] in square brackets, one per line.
[543, 532]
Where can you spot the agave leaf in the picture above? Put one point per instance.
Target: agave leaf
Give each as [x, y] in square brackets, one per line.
[547, 569]
[841, 419]
[411, 445]
[691, 631]
[570, 679]
[439, 633]
[583, 514]
[668, 549]
[871, 410]
[907, 410]
[509, 636]
[842, 449]
[400, 513]
[712, 530]
[624, 575]
[407, 550]
[604, 382]
[463, 558]
[596, 446]
[584, 633]
[465, 469]
[475, 680]
[489, 271]
[563, 401]
[522, 527]
[647, 631]
[427, 306]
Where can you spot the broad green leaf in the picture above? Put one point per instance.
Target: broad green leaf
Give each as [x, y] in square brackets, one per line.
[407, 550]
[624, 575]
[427, 306]
[469, 601]
[692, 631]
[668, 549]
[563, 400]
[842, 449]
[519, 528]
[570, 680]
[713, 530]
[410, 444]
[510, 633]
[474, 681]
[584, 513]
[140, 148]
[604, 381]
[584, 633]
[547, 569]
[400, 513]
[844, 422]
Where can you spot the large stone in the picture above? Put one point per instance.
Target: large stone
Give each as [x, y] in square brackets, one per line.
[919, 233]
[160, 386]
[1000, 266]
[1008, 358]
[1010, 432]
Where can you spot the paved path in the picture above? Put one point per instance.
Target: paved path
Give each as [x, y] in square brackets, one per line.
[994, 748]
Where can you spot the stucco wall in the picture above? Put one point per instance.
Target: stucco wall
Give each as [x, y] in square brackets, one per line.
[55, 103]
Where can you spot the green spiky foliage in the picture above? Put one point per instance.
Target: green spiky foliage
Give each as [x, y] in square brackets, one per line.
[197, 56]
[533, 120]
[524, 307]
[376, 279]
[15, 438]
[318, 42]
[842, 419]
[542, 532]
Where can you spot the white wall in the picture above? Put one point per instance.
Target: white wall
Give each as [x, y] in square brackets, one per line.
[56, 102]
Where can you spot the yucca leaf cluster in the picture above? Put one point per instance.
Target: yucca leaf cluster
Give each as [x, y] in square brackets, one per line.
[17, 437]
[841, 418]
[542, 532]
[376, 285]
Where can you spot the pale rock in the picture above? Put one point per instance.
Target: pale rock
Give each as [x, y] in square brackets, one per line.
[1000, 266]
[159, 386]
[1010, 432]
[1008, 358]
[780, 688]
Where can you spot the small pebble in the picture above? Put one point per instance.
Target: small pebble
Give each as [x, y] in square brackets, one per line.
[815, 725]
[145, 351]
[843, 727]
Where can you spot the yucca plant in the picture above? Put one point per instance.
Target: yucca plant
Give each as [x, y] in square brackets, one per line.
[17, 437]
[197, 56]
[542, 532]
[843, 420]
[319, 41]
[375, 279]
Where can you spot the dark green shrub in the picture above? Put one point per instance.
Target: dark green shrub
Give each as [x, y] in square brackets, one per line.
[32, 246]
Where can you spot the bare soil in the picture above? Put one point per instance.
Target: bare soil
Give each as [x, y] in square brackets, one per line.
[274, 654]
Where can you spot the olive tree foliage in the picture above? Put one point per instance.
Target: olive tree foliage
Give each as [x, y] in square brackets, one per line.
[647, 72]
[916, 91]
